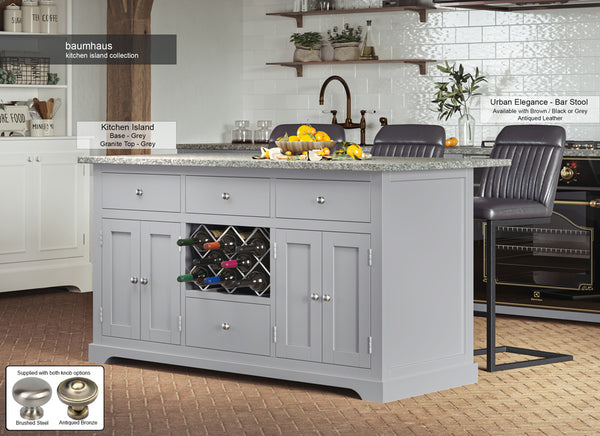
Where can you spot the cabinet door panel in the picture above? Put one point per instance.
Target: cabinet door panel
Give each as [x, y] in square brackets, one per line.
[298, 276]
[346, 316]
[121, 262]
[160, 296]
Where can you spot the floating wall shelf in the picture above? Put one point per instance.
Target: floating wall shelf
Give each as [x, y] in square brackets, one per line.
[299, 65]
[421, 10]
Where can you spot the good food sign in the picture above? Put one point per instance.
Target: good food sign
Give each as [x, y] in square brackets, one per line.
[13, 118]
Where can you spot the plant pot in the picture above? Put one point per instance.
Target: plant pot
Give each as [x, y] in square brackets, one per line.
[305, 54]
[346, 51]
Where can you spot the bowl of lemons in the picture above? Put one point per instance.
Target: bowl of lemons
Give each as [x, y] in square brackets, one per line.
[306, 138]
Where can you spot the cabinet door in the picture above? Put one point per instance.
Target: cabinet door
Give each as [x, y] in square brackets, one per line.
[298, 276]
[346, 299]
[16, 208]
[120, 278]
[160, 291]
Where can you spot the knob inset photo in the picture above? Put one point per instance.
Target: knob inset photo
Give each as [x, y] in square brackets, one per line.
[32, 393]
[77, 393]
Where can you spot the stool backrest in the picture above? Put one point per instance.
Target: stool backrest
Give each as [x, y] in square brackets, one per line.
[410, 140]
[536, 152]
[335, 132]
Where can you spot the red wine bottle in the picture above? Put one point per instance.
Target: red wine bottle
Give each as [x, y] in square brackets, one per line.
[199, 238]
[257, 281]
[257, 246]
[227, 243]
[197, 274]
[244, 262]
[213, 258]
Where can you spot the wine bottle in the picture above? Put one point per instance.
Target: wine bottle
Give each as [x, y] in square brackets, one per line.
[257, 281]
[244, 262]
[257, 246]
[213, 258]
[227, 243]
[199, 238]
[197, 274]
[226, 278]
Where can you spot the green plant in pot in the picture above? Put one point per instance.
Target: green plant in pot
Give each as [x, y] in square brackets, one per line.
[453, 95]
[308, 46]
[345, 42]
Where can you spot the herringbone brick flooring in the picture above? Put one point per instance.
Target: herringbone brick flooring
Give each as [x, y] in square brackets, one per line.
[55, 327]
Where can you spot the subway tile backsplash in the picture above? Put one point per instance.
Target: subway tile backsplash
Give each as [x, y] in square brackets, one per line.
[531, 52]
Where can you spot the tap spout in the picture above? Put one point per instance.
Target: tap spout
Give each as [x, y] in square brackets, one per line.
[348, 99]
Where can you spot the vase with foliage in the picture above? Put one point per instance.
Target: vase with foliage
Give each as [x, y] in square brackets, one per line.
[308, 46]
[453, 95]
[346, 42]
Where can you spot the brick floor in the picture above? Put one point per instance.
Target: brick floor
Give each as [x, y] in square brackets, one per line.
[54, 327]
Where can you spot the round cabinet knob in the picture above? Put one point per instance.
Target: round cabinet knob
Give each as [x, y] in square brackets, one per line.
[326, 297]
[225, 326]
[225, 196]
[567, 173]
[133, 280]
[77, 393]
[139, 192]
[29, 158]
[320, 200]
[314, 296]
[144, 281]
[37, 158]
[31, 393]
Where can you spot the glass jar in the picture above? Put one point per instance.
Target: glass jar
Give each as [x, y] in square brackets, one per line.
[263, 133]
[242, 133]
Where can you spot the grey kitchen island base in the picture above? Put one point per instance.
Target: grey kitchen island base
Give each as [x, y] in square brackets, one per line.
[370, 269]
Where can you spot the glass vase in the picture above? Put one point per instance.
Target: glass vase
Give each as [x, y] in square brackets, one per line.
[466, 130]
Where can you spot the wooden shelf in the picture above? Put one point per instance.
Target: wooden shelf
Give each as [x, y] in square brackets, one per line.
[299, 65]
[421, 10]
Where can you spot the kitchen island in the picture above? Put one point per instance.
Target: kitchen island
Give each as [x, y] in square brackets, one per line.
[369, 265]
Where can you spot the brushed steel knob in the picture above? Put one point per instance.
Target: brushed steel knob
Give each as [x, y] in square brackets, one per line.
[29, 158]
[31, 393]
[225, 196]
[225, 326]
[37, 159]
[144, 281]
[314, 296]
[77, 393]
[133, 280]
[320, 199]
[326, 297]
[139, 192]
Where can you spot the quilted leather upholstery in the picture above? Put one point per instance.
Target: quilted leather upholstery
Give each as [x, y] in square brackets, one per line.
[335, 132]
[410, 140]
[527, 188]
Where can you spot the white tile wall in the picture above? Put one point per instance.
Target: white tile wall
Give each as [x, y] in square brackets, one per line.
[534, 53]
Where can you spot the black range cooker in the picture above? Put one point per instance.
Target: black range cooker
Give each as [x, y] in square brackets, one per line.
[552, 270]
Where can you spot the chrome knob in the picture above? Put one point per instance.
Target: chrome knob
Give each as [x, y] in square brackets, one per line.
[32, 393]
[225, 326]
[326, 297]
[320, 199]
[314, 296]
[144, 281]
[225, 196]
[37, 158]
[29, 158]
[139, 192]
[77, 393]
[133, 280]
[567, 173]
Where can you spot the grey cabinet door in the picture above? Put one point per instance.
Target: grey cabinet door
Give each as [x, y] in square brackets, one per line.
[346, 299]
[120, 278]
[298, 277]
[159, 289]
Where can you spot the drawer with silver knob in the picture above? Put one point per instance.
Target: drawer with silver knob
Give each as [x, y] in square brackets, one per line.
[246, 196]
[227, 325]
[323, 200]
[158, 192]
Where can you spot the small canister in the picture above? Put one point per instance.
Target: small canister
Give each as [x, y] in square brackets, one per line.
[31, 16]
[12, 18]
[48, 16]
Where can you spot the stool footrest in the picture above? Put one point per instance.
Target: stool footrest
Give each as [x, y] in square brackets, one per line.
[545, 357]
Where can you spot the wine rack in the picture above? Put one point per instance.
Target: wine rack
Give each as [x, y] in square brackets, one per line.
[243, 238]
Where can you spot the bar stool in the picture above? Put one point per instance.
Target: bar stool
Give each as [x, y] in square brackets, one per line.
[335, 132]
[520, 194]
[410, 140]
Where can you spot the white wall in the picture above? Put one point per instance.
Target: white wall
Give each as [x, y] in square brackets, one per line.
[203, 92]
[533, 53]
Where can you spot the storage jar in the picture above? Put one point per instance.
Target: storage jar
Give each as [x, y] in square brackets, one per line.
[31, 16]
[48, 16]
[12, 18]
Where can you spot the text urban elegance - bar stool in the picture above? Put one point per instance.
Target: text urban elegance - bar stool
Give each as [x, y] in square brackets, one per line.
[520, 194]
[410, 140]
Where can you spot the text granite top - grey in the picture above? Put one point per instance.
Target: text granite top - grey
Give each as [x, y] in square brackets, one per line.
[244, 160]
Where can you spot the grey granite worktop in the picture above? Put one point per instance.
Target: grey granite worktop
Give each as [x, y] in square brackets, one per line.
[485, 151]
[244, 160]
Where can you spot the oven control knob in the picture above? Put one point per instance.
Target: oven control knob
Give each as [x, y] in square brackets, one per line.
[567, 173]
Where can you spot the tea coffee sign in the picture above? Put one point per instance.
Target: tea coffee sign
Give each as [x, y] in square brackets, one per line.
[13, 118]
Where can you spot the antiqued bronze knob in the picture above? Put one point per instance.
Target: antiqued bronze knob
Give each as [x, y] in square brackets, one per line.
[31, 393]
[77, 393]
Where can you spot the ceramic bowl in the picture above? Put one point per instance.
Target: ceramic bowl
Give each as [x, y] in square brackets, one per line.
[297, 147]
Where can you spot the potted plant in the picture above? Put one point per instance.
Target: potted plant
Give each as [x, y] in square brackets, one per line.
[308, 46]
[453, 96]
[346, 42]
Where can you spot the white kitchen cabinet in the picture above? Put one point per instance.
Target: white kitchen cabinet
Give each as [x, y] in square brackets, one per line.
[323, 297]
[44, 237]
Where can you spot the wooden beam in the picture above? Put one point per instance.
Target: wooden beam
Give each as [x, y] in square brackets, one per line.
[128, 96]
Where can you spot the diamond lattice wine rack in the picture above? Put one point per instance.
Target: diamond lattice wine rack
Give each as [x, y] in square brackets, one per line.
[232, 259]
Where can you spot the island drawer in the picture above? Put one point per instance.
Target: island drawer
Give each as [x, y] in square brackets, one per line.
[324, 200]
[245, 196]
[158, 192]
[227, 325]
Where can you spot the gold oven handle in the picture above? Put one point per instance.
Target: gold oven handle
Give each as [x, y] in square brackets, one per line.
[592, 203]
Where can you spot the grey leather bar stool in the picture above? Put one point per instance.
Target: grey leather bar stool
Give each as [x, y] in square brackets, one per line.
[410, 140]
[520, 194]
[335, 132]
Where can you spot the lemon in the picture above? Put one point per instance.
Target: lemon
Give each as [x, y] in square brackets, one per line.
[307, 137]
[293, 138]
[355, 151]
